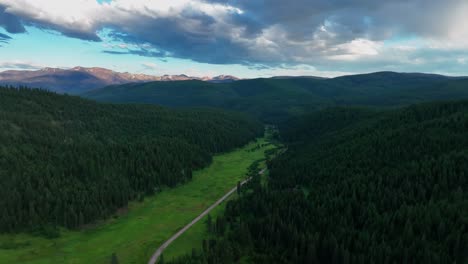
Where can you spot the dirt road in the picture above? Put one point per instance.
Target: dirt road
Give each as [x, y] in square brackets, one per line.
[160, 250]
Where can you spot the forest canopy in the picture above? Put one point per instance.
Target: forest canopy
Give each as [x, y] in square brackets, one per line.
[67, 161]
[356, 186]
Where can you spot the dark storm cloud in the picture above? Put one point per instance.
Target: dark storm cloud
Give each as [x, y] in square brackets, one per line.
[139, 52]
[10, 23]
[191, 34]
[4, 37]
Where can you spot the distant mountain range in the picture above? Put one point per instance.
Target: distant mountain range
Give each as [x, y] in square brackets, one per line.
[279, 98]
[80, 79]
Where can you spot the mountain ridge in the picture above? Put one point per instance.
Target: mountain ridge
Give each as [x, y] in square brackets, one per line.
[84, 79]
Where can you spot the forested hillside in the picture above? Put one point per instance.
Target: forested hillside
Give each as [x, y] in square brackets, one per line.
[356, 186]
[275, 100]
[66, 161]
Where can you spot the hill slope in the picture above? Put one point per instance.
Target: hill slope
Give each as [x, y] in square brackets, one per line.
[357, 186]
[274, 100]
[69, 161]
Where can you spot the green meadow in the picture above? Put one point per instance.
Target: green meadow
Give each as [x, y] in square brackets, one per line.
[134, 234]
[193, 238]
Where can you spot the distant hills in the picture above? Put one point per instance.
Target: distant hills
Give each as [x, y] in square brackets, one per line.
[80, 79]
[276, 99]
[270, 99]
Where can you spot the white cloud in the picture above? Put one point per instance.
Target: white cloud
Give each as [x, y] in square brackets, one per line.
[265, 32]
[78, 17]
[462, 60]
[151, 66]
[356, 49]
[19, 65]
[299, 70]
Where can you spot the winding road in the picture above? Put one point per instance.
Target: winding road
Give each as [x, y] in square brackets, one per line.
[160, 250]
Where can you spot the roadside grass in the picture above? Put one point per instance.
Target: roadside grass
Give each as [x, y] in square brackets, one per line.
[135, 235]
[193, 238]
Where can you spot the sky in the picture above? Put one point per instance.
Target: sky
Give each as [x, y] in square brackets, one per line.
[245, 38]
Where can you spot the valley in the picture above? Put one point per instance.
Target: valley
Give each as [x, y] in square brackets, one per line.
[233, 132]
[134, 234]
[129, 175]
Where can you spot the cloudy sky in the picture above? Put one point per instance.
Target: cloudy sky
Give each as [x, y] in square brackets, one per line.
[247, 38]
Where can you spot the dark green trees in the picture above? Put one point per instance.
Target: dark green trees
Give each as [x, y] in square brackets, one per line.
[358, 186]
[114, 259]
[65, 161]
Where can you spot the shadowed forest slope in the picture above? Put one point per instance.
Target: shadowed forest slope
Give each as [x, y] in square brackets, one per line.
[356, 186]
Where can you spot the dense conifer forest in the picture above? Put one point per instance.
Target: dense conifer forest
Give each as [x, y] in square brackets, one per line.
[66, 161]
[355, 186]
[233, 132]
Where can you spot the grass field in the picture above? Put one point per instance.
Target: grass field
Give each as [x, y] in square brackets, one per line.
[134, 235]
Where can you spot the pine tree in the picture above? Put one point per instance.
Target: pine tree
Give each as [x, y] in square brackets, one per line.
[114, 259]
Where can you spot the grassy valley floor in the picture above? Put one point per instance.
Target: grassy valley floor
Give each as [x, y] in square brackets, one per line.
[134, 235]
